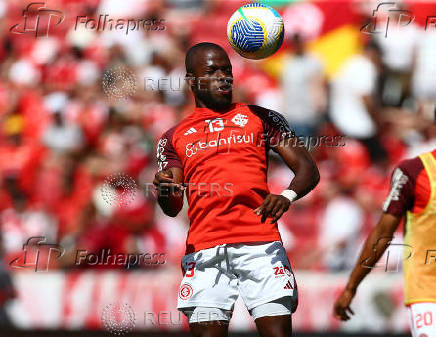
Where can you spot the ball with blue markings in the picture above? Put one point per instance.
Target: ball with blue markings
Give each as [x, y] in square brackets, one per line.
[255, 31]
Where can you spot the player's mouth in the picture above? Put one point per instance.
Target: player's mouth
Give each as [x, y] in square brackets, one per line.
[225, 89]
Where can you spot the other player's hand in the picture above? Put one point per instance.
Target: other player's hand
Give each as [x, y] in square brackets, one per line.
[164, 181]
[273, 206]
[341, 309]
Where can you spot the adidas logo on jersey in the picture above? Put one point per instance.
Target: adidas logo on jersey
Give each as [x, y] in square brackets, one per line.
[190, 131]
[288, 285]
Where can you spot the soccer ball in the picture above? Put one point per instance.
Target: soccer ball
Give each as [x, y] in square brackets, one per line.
[255, 31]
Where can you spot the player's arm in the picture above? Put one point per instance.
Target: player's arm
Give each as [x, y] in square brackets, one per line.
[371, 107]
[306, 178]
[301, 163]
[296, 158]
[169, 185]
[374, 247]
[398, 202]
[169, 178]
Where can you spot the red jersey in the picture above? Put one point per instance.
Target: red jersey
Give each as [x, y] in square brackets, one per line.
[224, 157]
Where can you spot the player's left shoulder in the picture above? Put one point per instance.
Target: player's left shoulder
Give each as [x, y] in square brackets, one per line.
[410, 167]
[264, 113]
[271, 118]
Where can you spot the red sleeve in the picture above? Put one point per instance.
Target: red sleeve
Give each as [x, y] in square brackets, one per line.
[165, 153]
[401, 197]
[275, 126]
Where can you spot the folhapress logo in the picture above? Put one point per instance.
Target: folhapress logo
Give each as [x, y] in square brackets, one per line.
[401, 16]
[37, 20]
[37, 254]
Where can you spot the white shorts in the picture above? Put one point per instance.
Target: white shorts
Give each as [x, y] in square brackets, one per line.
[260, 272]
[422, 319]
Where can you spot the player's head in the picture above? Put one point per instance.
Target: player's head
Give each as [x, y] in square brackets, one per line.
[209, 74]
[298, 44]
[374, 52]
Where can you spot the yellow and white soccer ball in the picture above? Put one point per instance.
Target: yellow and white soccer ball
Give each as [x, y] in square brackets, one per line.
[255, 31]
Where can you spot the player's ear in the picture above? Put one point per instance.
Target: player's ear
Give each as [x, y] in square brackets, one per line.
[190, 80]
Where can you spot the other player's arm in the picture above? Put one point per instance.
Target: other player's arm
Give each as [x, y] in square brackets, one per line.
[374, 247]
[400, 199]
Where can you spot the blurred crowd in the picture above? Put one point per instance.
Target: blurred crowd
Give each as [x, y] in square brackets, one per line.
[63, 134]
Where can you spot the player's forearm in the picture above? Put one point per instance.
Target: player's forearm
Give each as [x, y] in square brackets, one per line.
[372, 250]
[374, 247]
[171, 204]
[371, 107]
[306, 178]
[299, 160]
[169, 184]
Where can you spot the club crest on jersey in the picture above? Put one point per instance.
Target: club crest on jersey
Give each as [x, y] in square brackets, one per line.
[240, 120]
[185, 291]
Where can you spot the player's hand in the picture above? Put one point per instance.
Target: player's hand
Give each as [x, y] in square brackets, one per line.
[341, 309]
[164, 182]
[273, 206]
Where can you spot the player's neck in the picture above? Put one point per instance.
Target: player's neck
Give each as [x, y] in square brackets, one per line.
[215, 108]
